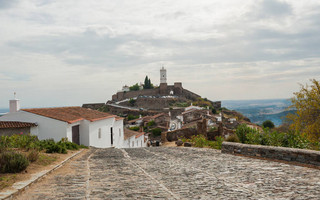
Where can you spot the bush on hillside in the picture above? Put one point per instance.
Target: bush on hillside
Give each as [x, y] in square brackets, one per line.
[273, 138]
[33, 155]
[233, 138]
[268, 124]
[12, 162]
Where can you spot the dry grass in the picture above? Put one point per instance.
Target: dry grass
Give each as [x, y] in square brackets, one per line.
[7, 180]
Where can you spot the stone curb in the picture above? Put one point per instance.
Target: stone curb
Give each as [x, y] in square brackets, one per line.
[23, 185]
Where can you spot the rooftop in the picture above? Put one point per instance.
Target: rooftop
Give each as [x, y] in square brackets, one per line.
[15, 124]
[129, 133]
[70, 114]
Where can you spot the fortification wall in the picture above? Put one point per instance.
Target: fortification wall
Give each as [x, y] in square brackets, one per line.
[93, 106]
[278, 153]
[190, 95]
[127, 95]
[124, 111]
[154, 103]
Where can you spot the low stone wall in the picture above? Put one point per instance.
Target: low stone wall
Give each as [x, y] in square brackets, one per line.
[278, 153]
[184, 132]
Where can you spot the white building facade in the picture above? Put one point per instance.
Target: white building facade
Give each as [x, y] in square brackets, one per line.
[77, 124]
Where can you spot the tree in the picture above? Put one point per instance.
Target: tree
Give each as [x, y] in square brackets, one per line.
[135, 87]
[306, 119]
[146, 83]
[268, 124]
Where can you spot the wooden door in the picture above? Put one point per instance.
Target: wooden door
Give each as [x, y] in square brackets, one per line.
[76, 134]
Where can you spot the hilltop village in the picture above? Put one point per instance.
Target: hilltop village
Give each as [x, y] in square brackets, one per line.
[169, 112]
[135, 116]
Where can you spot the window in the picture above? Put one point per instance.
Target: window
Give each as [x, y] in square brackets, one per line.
[99, 133]
[119, 132]
[132, 143]
[137, 143]
[141, 143]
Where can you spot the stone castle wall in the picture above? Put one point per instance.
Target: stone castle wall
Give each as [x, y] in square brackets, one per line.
[130, 94]
[190, 95]
[163, 90]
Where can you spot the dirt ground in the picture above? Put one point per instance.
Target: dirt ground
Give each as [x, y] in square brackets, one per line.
[169, 144]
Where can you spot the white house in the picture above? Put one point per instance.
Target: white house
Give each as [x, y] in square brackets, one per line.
[79, 125]
[134, 139]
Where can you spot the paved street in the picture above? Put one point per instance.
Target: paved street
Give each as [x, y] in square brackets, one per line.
[174, 173]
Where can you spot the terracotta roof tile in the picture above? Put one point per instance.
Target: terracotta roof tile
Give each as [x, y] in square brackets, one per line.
[119, 118]
[70, 114]
[15, 124]
[140, 134]
[129, 133]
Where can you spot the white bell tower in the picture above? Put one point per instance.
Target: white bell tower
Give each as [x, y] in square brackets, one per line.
[163, 75]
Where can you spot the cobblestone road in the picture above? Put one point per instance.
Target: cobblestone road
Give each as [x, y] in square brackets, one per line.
[175, 173]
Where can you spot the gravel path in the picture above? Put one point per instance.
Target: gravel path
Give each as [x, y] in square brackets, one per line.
[175, 173]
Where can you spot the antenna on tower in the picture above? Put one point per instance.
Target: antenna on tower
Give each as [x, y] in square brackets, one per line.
[15, 95]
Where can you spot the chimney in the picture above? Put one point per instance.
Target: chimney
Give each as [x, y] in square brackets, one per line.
[14, 105]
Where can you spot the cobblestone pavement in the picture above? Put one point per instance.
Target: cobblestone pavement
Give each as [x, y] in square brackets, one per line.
[175, 173]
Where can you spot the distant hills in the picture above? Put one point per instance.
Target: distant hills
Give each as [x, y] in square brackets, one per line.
[260, 110]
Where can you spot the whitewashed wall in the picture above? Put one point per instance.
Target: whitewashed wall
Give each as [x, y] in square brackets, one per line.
[47, 127]
[118, 134]
[84, 132]
[104, 125]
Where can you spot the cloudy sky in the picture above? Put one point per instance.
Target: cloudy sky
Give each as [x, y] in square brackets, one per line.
[60, 53]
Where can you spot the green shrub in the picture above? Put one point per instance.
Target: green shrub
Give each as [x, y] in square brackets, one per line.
[134, 128]
[56, 148]
[12, 162]
[253, 138]
[295, 140]
[134, 87]
[268, 124]
[68, 145]
[131, 117]
[241, 132]
[199, 141]
[33, 155]
[233, 138]
[218, 143]
[83, 146]
[151, 123]
[156, 131]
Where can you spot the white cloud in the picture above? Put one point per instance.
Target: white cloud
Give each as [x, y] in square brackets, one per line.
[72, 52]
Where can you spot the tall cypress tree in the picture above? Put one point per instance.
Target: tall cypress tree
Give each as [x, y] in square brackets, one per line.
[149, 84]
[146, 83]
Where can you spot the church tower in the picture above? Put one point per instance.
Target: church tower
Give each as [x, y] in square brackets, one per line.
[163, 81]
[163, 75]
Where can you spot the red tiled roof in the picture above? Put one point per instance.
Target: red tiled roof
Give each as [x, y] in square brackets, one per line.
[15, 124]
[140, 134]
[119, 118]
[156, 116]
[129, 133]
[70, 114]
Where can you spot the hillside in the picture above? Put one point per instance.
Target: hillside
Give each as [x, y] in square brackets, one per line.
[260, 110]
